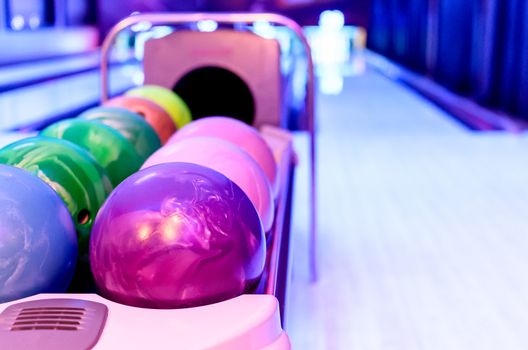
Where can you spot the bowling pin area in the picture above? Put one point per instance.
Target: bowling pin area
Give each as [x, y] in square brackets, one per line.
[263, 175]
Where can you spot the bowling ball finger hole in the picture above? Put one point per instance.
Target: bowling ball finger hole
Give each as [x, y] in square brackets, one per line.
[141, 114]
[83, 216]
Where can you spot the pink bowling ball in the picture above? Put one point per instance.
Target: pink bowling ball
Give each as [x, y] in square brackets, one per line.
[176, 235]
[239, 133]
[156, 116]
[228, 160]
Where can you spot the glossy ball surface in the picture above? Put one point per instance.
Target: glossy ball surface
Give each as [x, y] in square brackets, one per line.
[70, 170]
[228, 160]
[129, 124]
[176, 235]
[238, 133]
[156, 116]
[166, 99]
[111, 150]
[38, 247]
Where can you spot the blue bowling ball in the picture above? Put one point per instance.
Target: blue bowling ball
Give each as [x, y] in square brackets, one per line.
[38, 243]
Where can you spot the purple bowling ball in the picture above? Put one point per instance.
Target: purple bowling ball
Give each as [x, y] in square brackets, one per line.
[176, 235]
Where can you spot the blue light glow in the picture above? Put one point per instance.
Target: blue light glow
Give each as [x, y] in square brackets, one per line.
[207, 25]
[142, 26]
[264, 29]
[331, 19]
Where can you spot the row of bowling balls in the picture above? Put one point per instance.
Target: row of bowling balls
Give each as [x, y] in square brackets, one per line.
[187, 229]
[84, 158]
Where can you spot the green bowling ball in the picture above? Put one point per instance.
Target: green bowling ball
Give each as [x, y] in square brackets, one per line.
[70, 170]
[109, 148]
[129, 124]
[166, 99]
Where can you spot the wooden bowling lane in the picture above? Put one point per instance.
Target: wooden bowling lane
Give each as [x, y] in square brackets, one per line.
[49, 99]
[422, 228]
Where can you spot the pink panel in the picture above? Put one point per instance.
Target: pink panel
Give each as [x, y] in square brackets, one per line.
[254, 59]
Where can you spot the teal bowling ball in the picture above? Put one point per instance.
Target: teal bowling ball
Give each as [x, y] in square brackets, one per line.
[129, 124]
[70, 170]
[109, 148]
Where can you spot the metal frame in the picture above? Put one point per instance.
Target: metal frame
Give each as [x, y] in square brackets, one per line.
[235, 18]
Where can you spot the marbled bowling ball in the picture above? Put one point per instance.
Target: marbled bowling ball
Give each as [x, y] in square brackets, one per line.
[130, 125]
[227, 159]
[176, 235]
[38, 246]
[70, 170]
[109, 148]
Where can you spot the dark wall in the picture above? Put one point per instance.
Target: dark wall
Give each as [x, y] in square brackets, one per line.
[476, 48]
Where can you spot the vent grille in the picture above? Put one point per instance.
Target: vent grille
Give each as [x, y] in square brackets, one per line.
[52, 324]
[49, 318]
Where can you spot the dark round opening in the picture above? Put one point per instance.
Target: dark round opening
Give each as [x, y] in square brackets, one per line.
[83, 216]
[141, 113]
[210, 91]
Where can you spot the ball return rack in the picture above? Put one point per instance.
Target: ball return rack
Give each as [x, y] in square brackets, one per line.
[249, 321]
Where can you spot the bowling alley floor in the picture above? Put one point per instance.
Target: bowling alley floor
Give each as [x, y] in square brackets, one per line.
[423, 228]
